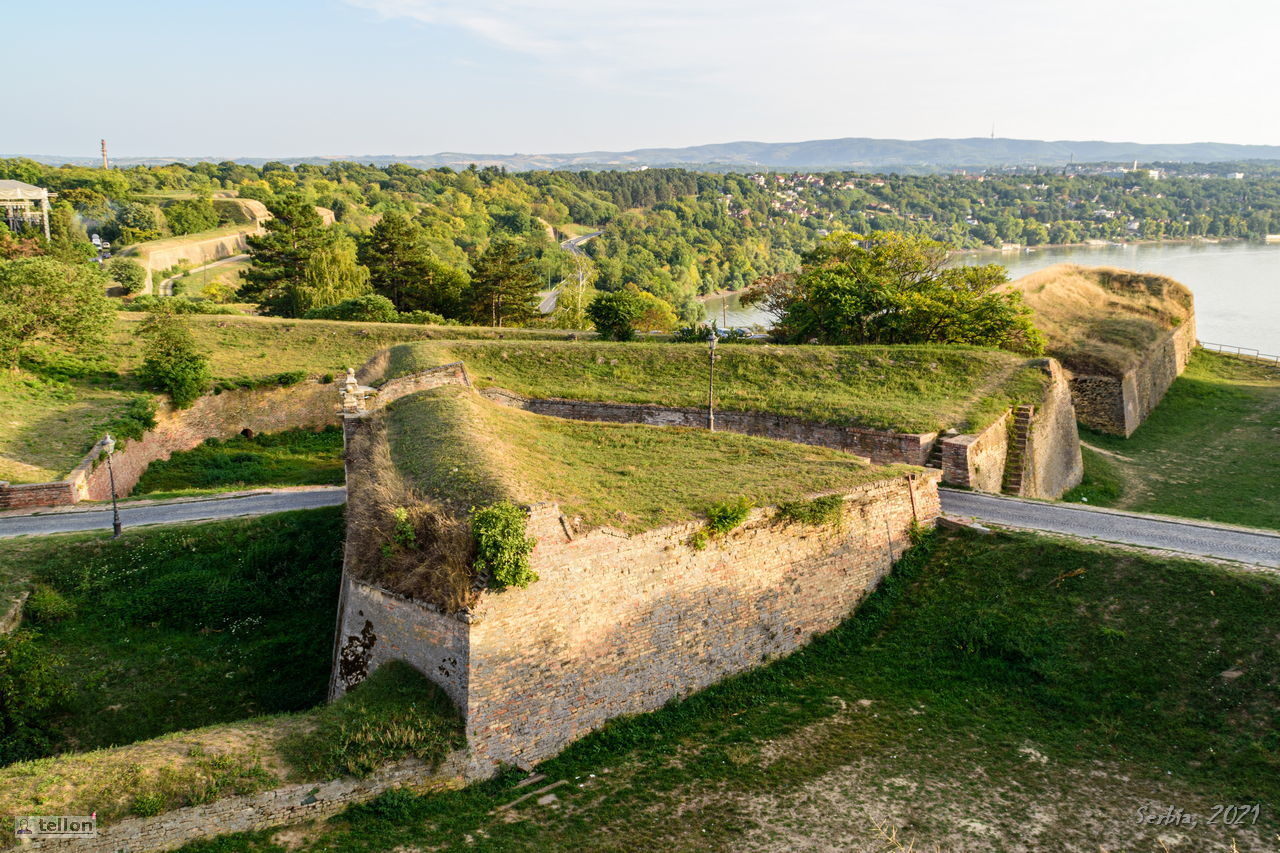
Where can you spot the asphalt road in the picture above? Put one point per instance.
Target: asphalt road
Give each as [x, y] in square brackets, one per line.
[132, 515]
[1191, 537]
[552, 298]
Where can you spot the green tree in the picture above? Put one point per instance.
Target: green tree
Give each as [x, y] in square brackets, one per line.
[331, 275]
[130, 275]
[504, 287]
[188, 216]
[890, 288]
[615, 314]
[280, 255]
[45, 300]
[172, 361]
[370, 308]
[403, 269]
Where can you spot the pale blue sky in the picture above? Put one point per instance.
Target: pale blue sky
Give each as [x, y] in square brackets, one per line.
[349, 77]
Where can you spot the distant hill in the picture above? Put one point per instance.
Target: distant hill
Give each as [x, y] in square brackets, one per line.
[853, 153]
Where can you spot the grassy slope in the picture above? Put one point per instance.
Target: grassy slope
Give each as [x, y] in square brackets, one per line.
[187, 626]
[1007, 692]
[1207, 451]
[396, 713]
[50, 422]
[459, 448]
[297, 457]
[907, 388]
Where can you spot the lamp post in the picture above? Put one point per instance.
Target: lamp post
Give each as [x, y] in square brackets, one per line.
[109, 446]
[711, 379]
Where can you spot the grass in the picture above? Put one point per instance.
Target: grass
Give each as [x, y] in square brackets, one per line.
[1101, 319]
[396, 713]
[193, 284]
[1207, 451]
[296, 457]
[186, 626]
[995, 693]
[462, 450]
[53, 416]
[901, 388]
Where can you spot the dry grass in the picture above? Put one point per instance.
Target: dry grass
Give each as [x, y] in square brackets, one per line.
[1101, 319]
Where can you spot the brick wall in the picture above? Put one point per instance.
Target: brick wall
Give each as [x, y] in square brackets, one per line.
[880, 446]
[620, 624]
[277, 807]
[27, 495]
[977, 461]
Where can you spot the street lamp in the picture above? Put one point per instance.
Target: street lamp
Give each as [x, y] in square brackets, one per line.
[711, 379]
[108, 447]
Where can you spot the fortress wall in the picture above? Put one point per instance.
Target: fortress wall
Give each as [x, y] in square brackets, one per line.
[1119, 405]
[195, 252]
[308, 404]
[880, 446]
[27, 495]
[620, 624]
[1051, 461]
[977, 461]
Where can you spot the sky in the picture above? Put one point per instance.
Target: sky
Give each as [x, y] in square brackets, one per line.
[286, 78]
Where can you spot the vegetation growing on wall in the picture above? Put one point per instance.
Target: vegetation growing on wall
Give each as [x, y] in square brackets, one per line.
[816, 512]
[502, 548]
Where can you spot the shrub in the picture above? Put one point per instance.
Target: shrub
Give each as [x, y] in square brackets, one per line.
[172, 361]
[371, 308]
[614, 314]
[692, 334]
[138, 416]
[175, 305]
[502, 549]
[425, 318]
[46, 605]
[130, 275]
[819, 511]
[726, 515]
[148, 805]
[31, 689]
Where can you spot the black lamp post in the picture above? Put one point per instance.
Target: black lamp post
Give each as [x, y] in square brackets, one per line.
[109, 446]
[711, 379]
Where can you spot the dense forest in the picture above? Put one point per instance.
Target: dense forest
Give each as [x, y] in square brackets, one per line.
[673, 233]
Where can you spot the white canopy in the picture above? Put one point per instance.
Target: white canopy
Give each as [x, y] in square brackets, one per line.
[12, 190]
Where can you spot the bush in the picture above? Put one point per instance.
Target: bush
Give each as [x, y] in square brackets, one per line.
[172, 361]
[726, 515]
[31, 689]
[614, 314]
[46, 605]
[502, 549]
[367, 309]
[282, 380]
[135, 419]
[425, 318]
[130, 275]
[175, 305]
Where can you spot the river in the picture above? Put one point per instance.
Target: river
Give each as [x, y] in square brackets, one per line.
[1236, 285]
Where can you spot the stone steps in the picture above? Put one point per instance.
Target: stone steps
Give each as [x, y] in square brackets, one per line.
[1022, 418]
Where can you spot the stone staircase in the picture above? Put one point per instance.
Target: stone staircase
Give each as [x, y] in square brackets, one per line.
[1022, 416]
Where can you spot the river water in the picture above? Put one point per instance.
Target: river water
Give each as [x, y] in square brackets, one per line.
[1236, 285]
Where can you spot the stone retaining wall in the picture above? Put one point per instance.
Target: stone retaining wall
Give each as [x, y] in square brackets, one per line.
[977, 461]
[880, 446]
[279, 807]
[621, 624]
[1051, 460]
[1119, 404]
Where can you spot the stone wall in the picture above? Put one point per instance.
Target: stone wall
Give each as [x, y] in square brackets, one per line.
[281, 806]
[620, 624]
[880, 446]
[166, 253]
[977, 461]
[307, 404]
[1051, 460]
[1119, 405]
[30, 495]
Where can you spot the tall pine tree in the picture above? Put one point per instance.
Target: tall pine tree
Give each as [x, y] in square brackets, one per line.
[280, 255]
[403, 269]
[504, 286]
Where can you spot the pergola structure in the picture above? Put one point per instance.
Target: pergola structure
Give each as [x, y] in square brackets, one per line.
[24, 204]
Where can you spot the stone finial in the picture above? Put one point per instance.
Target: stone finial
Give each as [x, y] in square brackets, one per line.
[354, 395]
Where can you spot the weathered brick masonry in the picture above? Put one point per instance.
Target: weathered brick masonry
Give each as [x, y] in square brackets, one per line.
[620, 624]
[1119, 404]
[307, 404]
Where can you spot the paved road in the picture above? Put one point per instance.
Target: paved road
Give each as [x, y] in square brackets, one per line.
[1202, 538]
[1190, 537]
[133, 515]
[552, 298]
